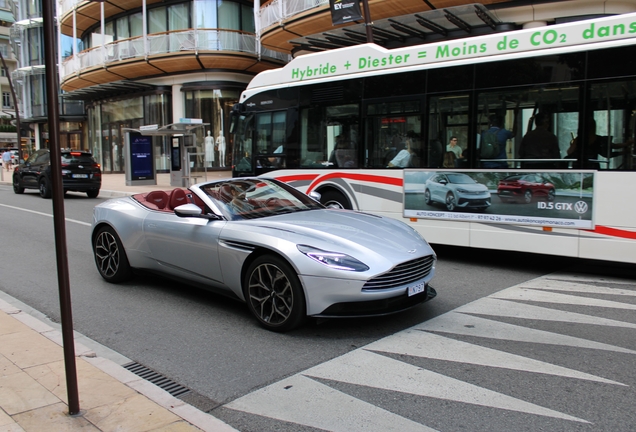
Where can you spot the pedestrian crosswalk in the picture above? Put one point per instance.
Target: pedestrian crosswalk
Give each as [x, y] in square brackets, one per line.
[313, 397]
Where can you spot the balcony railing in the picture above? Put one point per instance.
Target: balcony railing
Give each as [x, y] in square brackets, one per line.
[165, 43]
[278, 10]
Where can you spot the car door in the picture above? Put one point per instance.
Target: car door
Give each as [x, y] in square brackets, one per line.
[35, 164]
[185, 246]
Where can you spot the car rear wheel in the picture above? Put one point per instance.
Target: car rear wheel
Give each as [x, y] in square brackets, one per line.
[274, 294]
[92, 193]
[110, 256]
[45, 188]
[527, 197]
[16, 185]
[450, 202]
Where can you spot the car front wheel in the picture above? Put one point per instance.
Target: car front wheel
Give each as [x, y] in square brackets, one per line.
[110, 256]
[274, 294]
[450, 202]
[551, 195]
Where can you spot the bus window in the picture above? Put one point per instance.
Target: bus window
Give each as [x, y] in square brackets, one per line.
[389, 124]
[610, 138]
[329, 137]
[270, 139]
[447, 119]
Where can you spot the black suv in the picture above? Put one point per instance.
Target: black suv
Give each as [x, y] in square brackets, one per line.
[80, 173]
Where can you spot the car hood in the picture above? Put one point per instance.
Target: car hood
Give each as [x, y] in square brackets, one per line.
[346, 230]
[476, 187]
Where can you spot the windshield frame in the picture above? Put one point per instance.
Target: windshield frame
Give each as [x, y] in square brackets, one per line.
[255, 197]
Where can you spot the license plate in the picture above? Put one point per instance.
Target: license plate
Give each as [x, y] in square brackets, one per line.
[80, 175]
[416, 289]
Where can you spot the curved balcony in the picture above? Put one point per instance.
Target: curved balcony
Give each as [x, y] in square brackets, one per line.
[88, 13]
[167, 53]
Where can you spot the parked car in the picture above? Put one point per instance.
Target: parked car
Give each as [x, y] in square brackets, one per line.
[456, 190]
[80, 173]
[524, 188]
[267, 244]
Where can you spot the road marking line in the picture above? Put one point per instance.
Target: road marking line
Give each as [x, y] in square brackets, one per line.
[301, 400]
[44, 214]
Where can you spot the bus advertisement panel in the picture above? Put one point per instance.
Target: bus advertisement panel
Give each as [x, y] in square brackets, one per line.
[563, 199]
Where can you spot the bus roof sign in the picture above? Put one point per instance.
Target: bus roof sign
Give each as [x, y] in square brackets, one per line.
[371, 57]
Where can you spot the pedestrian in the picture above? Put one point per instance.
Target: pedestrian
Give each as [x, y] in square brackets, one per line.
[6, 160]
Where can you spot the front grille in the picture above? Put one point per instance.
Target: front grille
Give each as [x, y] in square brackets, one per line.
[402, 274]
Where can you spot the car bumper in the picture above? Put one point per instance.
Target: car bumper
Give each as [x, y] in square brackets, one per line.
[346, 298]
[81, 185]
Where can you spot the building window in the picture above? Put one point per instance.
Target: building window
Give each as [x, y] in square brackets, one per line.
[6, 99]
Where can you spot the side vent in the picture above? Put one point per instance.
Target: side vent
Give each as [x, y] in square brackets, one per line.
[333, 94]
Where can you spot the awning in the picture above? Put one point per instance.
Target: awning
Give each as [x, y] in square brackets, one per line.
[6, 16]
[406, 30]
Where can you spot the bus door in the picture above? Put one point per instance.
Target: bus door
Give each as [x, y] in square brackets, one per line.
[393, 134]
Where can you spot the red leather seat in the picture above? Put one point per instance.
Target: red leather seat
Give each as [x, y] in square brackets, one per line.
[177, 197]
[158, 198]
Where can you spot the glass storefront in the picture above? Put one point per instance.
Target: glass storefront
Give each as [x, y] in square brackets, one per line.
[213, 143]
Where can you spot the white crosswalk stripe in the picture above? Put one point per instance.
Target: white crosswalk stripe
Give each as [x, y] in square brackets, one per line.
[303, 400]
[427, 345]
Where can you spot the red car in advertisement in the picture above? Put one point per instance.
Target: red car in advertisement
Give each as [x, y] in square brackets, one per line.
[525, 188]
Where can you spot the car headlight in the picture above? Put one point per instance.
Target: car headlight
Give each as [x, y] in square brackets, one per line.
[460, 190]
[335, 260]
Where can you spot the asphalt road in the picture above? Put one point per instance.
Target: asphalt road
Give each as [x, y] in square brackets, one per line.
[212, 345]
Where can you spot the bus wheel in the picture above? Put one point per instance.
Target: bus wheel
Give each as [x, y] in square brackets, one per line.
[334, 199]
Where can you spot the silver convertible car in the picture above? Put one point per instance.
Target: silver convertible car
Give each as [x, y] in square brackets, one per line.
[267, 244]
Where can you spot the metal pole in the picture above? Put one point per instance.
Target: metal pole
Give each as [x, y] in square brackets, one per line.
[367, 21]
[52, 83]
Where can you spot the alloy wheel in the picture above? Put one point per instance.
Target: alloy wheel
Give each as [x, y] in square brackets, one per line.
[270, 294]
[107, 254]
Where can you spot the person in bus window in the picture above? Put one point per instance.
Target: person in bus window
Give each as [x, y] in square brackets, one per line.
[452, 146]
[596, 145]
[540, 143]
[402, 159]
[502, 134]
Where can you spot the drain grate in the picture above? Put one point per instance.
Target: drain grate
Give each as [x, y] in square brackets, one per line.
[157, 379]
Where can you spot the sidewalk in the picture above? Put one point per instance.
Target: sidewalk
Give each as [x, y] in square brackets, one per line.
[33, 394]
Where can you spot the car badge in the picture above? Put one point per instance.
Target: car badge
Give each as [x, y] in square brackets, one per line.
[412, 251]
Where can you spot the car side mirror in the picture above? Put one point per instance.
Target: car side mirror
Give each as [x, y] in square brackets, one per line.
[193, 210]
[315, 196]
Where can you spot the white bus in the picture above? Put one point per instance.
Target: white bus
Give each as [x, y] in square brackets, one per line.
[514, 141]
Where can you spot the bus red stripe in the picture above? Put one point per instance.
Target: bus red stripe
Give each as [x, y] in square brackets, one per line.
[614, 232]
[393, 181]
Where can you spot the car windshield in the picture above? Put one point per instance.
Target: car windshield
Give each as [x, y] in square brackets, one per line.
[251, 198]
[460, 179]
